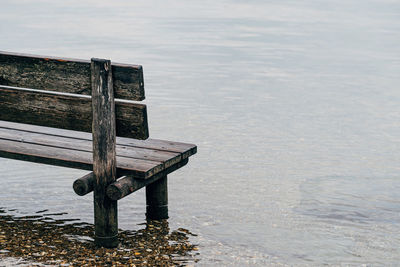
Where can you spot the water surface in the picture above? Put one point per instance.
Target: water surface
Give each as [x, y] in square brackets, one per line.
[294, 107]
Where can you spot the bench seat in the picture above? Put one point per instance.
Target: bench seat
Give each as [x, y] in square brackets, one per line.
[139, 158]
[96, 124]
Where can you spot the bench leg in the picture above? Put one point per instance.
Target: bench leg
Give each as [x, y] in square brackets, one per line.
[104, 155]
[105, 220]
[157, 200]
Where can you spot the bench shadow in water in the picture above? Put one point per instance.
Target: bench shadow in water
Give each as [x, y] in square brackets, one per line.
[43, 239]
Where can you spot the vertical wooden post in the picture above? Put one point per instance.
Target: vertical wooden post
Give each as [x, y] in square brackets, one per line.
[104, 157]
[157, 200]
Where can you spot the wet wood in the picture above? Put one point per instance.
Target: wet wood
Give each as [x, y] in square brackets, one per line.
[26, 143]
[73, 112]
[165, 157]
[104, 155]
[72, 158]
[163, 145]
[186, 149]
[66, 75]
[78, 96]
[46, 155]
[84, 185]
[129, 184]
[157, 199]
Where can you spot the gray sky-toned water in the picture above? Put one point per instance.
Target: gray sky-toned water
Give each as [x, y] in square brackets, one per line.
[294, 106]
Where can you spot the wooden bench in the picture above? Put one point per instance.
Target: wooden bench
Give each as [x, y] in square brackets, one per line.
[81, 114]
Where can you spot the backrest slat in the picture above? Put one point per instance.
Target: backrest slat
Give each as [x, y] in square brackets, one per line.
[66, 75]
[68, 111]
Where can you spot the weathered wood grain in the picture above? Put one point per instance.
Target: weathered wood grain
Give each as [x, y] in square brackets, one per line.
[126, 185]
[104, 154]
[72, 158]
[31, 145]
[68, 111]
[46, 155]
[80, 95]
[165, 157]
[66, 75]
[164, 145]
[157, 199]
[186, 149]
[84, 185]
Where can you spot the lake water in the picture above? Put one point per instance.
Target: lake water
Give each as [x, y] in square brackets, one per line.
[294, 106]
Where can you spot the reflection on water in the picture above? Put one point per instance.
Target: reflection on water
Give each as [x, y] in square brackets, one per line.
[43, 238]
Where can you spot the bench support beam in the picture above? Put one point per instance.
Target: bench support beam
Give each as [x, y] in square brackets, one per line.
[84, 185]
[129, 184]
[104, 155]
[157, 199]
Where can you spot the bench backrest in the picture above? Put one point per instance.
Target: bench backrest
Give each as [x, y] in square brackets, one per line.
[56, 92]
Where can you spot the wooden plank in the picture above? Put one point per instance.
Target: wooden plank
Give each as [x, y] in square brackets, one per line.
[186, 149]
[67, 111]
[66, 75]
[168, 158]
[74, 158]
[104, 154]
[156, 144]
[46, 155]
